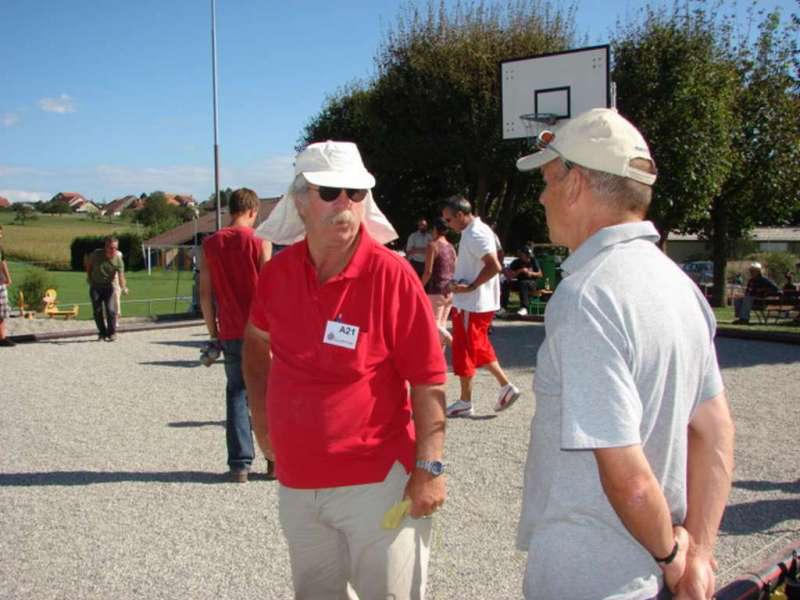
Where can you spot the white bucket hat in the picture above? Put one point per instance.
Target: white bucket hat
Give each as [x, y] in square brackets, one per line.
[599, 139]
[332, 164]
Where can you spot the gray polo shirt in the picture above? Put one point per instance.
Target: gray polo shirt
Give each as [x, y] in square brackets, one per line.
[628, 356]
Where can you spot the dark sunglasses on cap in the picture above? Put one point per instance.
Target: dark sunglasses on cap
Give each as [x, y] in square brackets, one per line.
[329, 194]
[544, 141]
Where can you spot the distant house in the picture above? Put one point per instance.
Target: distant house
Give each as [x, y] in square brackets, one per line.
[115, 207]
[174, 247]
[180, 200]
[88, 208]
[683, 247]
[5, 202]
[72, 199]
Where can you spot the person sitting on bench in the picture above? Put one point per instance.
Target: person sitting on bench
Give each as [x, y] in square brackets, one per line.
[758, 286]
[522, 275]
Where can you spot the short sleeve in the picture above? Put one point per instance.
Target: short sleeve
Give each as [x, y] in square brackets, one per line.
[258, 308]
[483, 243]
[417, 351]
[601, 407]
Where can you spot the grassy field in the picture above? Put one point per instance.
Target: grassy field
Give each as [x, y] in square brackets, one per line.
[46, 240]
[154, 294]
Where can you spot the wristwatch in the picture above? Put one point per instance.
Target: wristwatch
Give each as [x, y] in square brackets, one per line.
[434, 467]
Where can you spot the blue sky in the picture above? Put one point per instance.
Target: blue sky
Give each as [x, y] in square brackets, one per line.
[113, 97]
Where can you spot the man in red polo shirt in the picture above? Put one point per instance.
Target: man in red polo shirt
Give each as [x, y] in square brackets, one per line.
[232, 258]
[342, 345]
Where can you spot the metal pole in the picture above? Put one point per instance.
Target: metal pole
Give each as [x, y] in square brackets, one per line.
[214, 78]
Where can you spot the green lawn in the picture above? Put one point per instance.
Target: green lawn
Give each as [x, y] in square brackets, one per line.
[725, 318]
[46, 239]
[154, 294]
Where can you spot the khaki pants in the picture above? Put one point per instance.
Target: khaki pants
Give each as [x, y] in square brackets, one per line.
[338, 549]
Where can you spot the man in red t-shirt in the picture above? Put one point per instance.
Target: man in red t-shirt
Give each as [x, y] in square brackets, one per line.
[231, 260]
[343, 347]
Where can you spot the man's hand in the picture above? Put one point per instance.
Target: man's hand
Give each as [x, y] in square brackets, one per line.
[698, 581]
[426, 492]
[459, 288]
[676, 569]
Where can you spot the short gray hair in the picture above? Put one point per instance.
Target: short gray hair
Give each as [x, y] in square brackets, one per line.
[299, 185]
[458, 203]
[623, 193]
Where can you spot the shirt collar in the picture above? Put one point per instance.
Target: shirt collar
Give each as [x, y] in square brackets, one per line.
[608, 236]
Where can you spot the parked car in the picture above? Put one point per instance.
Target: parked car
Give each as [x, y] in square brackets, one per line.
[700, 271]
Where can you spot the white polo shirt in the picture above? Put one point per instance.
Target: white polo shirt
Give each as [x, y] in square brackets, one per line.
[477, 240]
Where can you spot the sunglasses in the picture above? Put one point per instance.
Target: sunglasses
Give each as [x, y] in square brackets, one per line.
[329, 194]
[544, 141]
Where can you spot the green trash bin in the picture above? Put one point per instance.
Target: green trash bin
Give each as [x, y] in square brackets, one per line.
[547, 262]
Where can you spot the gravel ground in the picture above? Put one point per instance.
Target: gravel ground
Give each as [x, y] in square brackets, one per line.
[113, 455]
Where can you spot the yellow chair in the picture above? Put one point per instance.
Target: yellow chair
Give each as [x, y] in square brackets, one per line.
[51, 308]
[23, 312]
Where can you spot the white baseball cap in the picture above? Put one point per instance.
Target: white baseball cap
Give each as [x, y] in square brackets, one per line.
[334, 164]
[599, 139]
[755, 265]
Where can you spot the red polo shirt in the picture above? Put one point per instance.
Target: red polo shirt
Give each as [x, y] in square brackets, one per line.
[232, 255]
[339, 416]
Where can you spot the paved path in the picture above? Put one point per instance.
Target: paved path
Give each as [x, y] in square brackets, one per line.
[112, 455]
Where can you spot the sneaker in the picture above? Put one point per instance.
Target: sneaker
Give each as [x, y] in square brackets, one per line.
[522, 311]
[238, 475]
[501, 313]
[101, 337]
[444, 335]
[460, 408]
[508, 395]
[112, 338]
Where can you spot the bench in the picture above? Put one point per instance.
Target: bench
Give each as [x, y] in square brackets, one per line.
[786, 305]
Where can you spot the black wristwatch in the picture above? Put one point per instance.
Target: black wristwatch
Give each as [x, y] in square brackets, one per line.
[669, 558]
[434, 467]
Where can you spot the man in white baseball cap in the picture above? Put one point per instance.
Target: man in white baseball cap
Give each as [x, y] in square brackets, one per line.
[345, 377]
[758, 286]
[631, 447]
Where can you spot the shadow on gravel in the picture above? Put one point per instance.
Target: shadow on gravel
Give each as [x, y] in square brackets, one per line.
[184, 364]
[84, 340]
[67, 478]
[759, 516]
[183, 343]
[790, 487]
[516, 347]
[734, 353]
[181, 424]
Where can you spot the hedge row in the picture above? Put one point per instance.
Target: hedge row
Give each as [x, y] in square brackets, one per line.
[130, 244]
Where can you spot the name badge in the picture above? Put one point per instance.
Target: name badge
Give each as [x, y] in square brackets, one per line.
[341, 334]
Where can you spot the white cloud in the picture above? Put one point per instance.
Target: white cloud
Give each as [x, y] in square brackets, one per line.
[25, 195]
[62, 104]
[10, 171]
[268, 177]
[9, 119]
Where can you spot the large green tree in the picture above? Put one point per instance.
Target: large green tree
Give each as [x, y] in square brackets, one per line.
[763, 187]
[676, 82]
[720, 110]
[429, 122]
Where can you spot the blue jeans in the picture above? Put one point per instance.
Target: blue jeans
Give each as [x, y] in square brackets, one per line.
[237, 415]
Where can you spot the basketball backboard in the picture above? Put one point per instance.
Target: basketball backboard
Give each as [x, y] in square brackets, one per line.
[546, 90]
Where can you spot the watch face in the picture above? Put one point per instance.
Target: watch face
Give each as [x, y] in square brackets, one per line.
[437, 468]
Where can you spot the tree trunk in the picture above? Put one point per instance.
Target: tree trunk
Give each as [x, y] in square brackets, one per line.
[719, 249]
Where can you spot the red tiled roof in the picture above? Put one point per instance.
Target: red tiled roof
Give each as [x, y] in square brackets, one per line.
[4, 202]
[183, 234]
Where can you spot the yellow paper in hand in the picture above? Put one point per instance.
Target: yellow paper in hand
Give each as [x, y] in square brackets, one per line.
[395, 515]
